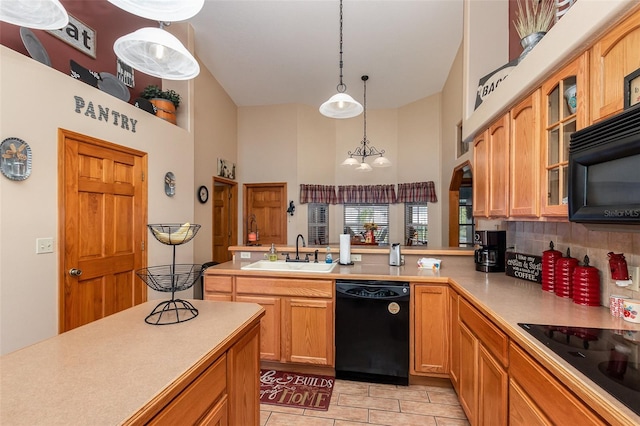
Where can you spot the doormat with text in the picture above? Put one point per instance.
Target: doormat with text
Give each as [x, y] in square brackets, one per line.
[295, 389]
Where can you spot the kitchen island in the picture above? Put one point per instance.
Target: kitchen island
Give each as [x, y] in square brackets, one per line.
[121, 370]
[502, 301]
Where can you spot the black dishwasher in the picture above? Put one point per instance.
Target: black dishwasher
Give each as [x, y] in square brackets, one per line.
[372, 331]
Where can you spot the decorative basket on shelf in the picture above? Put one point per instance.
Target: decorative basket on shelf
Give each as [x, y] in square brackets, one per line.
[174, 233]
[172, 278]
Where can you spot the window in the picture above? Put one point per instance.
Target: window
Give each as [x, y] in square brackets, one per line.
[356, 215]
[416, 221]
[465, 217]
[318, 222]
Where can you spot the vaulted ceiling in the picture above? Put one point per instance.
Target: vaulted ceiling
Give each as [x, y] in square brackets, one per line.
[266, 52]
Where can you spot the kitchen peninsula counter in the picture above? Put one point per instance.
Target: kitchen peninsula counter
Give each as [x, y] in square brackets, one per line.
[121, 370]
[505, 300]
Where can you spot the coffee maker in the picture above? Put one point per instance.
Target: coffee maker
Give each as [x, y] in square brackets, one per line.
[492, 246]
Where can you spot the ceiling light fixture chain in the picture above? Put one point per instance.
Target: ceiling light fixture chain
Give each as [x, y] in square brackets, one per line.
[341, 87]
[341, 105]
[366, 149]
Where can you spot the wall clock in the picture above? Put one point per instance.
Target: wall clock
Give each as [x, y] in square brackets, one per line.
[203, 194]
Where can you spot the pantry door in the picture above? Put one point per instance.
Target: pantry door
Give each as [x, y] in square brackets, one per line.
[103, 215]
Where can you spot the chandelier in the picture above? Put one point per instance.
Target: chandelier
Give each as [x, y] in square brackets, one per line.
[341, 105]
[360, 154]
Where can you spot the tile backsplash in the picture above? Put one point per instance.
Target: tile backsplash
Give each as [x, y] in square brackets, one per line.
[534, 237]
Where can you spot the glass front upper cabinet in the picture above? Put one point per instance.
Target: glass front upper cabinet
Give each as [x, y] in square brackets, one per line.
[564, 111]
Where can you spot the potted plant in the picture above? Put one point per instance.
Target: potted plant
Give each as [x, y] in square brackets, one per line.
[164, 101]
[533, 20]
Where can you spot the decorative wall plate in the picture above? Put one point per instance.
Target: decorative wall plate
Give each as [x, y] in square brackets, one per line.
[170, 184]
[112, 85]
[34, 47]
[15, 159]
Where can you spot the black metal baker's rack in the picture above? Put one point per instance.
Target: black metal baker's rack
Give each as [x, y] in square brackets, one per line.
[172, 278]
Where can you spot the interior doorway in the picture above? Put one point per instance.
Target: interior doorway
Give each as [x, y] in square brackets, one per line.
[102, 227]
[224, 218]
[461, 225]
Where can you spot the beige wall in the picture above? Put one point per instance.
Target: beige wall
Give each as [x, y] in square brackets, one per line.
[295, 144]
[215, 137]
[37, 100]
[451, 116]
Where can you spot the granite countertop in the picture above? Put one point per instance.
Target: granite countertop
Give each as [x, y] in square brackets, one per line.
[504, 299]
[106, 371]
[368, 249]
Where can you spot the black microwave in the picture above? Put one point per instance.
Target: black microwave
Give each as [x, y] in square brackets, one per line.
[604, 171]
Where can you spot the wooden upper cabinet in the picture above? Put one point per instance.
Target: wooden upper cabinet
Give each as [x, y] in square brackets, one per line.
[480, 175]
[614, 56]
[491, 170]
[498, 137]
[525, 158]
[561, 117]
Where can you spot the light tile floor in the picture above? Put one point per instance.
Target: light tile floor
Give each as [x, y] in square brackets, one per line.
[358, 403]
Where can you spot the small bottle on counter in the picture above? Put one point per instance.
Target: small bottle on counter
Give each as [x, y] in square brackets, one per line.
[273, 254]
[328, 257]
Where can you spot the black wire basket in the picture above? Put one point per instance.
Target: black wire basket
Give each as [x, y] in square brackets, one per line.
[173, 233]
[170, 278]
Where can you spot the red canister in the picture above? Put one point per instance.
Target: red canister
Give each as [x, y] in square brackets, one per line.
[549, 258]
[586, 284]
[618, 266]
[564, 274]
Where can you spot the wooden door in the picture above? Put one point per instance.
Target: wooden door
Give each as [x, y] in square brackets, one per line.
[480, 176]
[613, 57]
[454, 332]
[431, 341]
[103, 219]
[270, 326]
[308, 325]
[492, 390]
[224, 218]
[267, 202]
[525, 158]
[468, 379]
[499, 167]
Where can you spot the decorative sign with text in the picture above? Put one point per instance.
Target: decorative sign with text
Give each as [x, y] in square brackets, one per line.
[78, 35]
[524, 266]
[491, 81]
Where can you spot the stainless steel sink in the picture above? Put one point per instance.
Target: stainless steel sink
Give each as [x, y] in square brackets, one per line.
[282, 266]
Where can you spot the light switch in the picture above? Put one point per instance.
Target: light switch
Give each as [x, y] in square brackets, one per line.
[44, 245]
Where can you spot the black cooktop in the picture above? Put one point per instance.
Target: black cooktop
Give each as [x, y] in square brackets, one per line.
[608, 357]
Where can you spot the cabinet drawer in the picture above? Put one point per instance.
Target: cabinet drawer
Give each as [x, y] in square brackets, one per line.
[494, 340]
[218, 284]
[284, 287]
[197, 398]
[549, 396]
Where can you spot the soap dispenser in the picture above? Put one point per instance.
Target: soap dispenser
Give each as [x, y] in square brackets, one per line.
[328, 257]
[273, 254]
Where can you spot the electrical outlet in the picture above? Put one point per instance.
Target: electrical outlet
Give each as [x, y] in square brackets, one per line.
[634, 276]
[245, 255]
[356, 258]
[44, 245]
